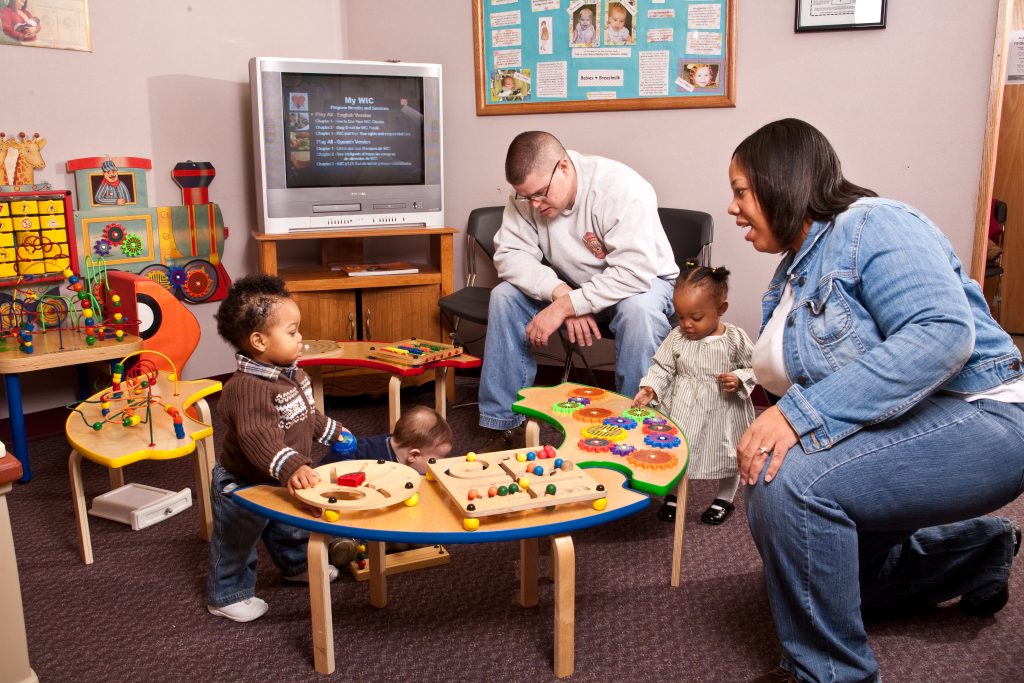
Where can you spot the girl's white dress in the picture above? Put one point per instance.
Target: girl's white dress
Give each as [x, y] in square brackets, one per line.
[683, 374]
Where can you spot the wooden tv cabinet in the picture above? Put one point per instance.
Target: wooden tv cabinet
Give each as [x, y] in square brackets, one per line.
[372, 308]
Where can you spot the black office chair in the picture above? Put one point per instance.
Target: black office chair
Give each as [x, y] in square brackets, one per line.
[994, 262]
[690, 234]
[471, 302]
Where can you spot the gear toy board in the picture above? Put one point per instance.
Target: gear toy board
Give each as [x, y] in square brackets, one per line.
[602, 429]
[496, 483]
[366, 485]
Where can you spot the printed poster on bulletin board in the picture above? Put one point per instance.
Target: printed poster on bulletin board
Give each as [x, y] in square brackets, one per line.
[542, 56]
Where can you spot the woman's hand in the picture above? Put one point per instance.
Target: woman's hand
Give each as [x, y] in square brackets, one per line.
[769, 434]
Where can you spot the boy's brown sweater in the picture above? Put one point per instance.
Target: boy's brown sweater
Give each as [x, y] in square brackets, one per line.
[271, 423]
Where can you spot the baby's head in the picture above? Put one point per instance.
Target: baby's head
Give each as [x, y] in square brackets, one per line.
[616, 16]
[508, 83]
[701, 75]
[259, 318]
[586, 17]
[421, 434]
[700, 299]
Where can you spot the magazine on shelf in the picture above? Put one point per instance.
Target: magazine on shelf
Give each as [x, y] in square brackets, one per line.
[365, 269]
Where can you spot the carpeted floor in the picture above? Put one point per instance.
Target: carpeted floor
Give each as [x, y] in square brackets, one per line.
[138, 613]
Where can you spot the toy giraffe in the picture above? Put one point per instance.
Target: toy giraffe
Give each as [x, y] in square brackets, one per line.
[4, 180]
[29, 158]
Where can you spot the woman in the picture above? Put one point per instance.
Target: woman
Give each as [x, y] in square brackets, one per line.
[18, 22]
[902, 408]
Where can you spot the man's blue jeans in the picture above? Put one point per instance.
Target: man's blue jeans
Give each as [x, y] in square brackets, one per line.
[855, 527]
[236, 531]
[640, 323]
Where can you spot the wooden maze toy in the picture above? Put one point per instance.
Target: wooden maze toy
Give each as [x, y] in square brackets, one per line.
[602, 428]
[488, 484]
[414, 352]
[357, 485]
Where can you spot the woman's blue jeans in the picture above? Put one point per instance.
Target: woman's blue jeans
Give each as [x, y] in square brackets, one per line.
[640, 323]
[888, 518]
[236, 531]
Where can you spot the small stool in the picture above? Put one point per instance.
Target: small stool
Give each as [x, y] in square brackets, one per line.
[114, 446]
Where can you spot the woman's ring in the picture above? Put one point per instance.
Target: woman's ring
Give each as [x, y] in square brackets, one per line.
[762, 450]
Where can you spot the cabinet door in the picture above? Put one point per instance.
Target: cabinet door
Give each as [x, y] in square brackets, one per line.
[328, 315]
[393, 313]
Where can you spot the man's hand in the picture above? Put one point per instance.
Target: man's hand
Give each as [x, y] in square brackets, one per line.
[582, 329]
[550, 318]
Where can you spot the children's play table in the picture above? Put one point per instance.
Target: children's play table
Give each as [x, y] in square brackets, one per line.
[361, 354]
[602, 430]
[53, 349]
[436, 519]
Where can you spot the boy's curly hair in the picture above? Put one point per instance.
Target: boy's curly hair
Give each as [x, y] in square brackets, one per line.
[248, 307]
[716, 279]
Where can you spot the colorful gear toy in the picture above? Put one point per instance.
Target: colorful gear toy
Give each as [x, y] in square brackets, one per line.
[592, 414]
[603, 431]
[177, 276]
[102, 247]
[623, 422]
[565, 407]
[655, 421]
[639, 413]
[132, 245]
[582, 400]
[114, 233]
[660, 429]
[593, 393]
[662, 440]
[622, 449]
[653, 459]
[594, 445]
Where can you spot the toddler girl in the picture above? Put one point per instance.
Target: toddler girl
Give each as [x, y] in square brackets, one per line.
[585, 32]
[702, 378]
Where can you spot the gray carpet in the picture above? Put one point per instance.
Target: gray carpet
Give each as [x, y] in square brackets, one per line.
[138, 613]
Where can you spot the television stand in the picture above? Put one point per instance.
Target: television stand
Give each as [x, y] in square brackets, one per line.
[337, 306]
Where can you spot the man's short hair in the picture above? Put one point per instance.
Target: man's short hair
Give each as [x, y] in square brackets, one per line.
[529, 152]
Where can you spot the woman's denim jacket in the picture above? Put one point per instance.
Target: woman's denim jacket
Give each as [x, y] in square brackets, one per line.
[883, 316]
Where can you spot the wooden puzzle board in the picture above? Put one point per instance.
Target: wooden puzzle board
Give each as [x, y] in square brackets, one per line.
[489, 471]
[413, 351]
[386, 484]
[652, 469]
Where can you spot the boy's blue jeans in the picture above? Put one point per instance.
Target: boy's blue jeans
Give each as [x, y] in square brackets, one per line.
[236, 531]
[887, 518]
[640, 323]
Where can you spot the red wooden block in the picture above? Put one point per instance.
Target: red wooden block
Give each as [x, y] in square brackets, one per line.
[352, 479]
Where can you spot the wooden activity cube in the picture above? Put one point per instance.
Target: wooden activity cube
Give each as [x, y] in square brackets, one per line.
[493, 483]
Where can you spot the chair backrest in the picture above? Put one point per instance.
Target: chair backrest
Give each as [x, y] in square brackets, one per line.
[690, 233]
[483, 225]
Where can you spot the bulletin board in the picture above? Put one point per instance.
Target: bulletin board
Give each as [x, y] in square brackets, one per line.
[545, 56]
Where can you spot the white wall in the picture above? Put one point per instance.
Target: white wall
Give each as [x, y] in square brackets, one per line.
[166, 80]
[903, 106]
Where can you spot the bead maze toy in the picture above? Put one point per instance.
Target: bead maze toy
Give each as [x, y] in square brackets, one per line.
[482, 485]
[145, 414]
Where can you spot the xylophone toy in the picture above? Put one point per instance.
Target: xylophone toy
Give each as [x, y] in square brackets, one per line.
[414, 352]
[507, 481]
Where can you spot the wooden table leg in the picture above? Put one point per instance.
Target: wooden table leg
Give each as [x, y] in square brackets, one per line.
[532, 433]
[320, 604]
[677, 537]
[394, 401]
[378, 573]
[528, 572]
[316, 379]
[205, 460]
[563, 555]
[116, 475]
[78, 499]
[440, 391]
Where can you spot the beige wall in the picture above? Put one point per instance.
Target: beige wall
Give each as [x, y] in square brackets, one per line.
[168, 80]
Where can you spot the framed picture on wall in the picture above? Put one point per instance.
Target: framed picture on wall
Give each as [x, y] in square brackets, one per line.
[61, 24]
[546, 56]
[839, 15]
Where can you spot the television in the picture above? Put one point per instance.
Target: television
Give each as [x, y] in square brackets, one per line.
[346, 144]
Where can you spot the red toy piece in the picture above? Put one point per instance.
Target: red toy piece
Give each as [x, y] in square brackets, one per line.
[352, 479]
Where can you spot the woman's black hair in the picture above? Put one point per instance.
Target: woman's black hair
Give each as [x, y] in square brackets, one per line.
[248, 307]
[716, 279]
[795, 174]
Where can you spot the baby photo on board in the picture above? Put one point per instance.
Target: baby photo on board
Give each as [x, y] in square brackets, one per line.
[698, 76]
[510, 85]
[619, 24]
[583, 32]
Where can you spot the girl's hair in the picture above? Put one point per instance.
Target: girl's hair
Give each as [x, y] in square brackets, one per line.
[692, 69]
[249, 307]
[715, 279]
[795, 174]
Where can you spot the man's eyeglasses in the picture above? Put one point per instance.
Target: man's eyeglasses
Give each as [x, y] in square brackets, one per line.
[543, 194]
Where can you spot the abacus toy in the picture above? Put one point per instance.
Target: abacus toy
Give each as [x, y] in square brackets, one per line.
[414, 352]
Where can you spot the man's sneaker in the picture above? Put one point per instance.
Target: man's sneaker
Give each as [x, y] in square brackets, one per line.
[332, 574]
[341, 551]
[242, 611]
[506, 440]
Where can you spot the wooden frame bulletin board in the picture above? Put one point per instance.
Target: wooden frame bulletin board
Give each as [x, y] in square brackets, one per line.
[545, 56]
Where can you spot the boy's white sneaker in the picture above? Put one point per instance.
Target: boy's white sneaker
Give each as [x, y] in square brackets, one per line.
[243, 610]
[332, 574]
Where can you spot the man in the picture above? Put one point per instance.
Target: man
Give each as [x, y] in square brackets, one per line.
[112, 190]
[580, 241]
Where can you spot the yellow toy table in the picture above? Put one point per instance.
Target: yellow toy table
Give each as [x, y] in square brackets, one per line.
[114, 446]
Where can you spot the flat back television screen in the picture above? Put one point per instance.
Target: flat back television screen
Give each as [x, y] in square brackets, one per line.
[343, 144]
